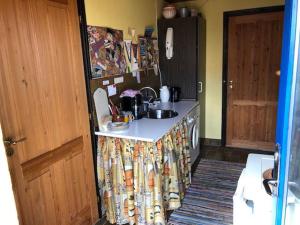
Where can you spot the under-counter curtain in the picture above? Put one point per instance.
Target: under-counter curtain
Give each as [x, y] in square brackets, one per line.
[139, 180]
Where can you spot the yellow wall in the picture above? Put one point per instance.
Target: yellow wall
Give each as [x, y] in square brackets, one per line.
[121, 14]
[212, 11]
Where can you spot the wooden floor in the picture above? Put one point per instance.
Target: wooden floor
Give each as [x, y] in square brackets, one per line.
[228, 154]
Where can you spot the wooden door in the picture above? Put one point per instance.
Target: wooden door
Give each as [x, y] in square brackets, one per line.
[254, 51]
[43, 99]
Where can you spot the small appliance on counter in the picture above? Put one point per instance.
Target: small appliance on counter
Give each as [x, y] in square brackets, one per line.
[164, 94]
[175, 94]
[131, 101]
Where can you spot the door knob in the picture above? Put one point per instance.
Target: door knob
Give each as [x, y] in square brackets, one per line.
[9, 143]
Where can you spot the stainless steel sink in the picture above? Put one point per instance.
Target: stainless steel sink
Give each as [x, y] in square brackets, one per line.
[161, 114]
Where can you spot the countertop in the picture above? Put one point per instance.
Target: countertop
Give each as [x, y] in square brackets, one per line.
[151, 130]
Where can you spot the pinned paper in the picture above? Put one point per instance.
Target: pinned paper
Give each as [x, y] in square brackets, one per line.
[105, 82]
[132, 33]
[135, 66]
[138, 77]
[155, 68]
[118, 80]
[112, 90]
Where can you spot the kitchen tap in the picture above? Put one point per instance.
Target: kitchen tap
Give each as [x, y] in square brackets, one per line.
[151, 98]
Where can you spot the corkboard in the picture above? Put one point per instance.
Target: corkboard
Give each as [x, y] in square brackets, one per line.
[148, 79]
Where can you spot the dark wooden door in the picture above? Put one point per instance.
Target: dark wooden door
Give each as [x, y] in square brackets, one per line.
[254, 51]
[44, 107]
[181, 70]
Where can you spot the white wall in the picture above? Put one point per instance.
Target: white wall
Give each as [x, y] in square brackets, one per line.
[8, 212]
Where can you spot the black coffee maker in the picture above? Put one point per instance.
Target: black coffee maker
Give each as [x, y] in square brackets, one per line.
[134, 105]
[175, 94]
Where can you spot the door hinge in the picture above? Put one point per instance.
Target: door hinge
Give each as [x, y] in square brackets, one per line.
[80, 19]
[90, 116]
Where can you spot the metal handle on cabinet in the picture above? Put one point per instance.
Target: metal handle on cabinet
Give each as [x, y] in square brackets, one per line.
[200, 87]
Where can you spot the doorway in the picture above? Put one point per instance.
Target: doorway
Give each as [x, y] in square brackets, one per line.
[251, 63]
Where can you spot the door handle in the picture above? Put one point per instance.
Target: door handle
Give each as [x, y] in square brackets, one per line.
[274, 181]
[9, 143]
[230, 84]
[200, 87]
[267, 183]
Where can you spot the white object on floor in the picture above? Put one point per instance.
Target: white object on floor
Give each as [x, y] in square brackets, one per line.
[251, 203]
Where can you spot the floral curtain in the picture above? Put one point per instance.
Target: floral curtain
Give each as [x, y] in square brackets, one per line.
[139, 180]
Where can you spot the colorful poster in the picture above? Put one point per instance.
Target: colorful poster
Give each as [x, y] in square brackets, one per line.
[148, 52]
[106, 51]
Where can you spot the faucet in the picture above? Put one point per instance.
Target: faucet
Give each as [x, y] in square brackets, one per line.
[149, 88]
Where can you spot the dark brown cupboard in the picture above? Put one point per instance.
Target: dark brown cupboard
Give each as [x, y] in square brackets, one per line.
[186, 69]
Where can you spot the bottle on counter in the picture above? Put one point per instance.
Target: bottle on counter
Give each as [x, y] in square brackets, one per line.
[164, 94]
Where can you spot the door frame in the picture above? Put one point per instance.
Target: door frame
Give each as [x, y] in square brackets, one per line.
[285, 109]
[87, 76]
[226, 16]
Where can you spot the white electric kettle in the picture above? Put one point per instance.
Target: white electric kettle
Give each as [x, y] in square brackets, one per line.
[164, 94]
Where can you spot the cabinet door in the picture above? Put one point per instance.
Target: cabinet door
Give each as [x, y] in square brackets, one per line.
[181, 69]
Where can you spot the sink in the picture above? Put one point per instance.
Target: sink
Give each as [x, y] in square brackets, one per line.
[161, 114]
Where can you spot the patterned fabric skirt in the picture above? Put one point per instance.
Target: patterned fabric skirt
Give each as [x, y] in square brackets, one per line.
[139, 180]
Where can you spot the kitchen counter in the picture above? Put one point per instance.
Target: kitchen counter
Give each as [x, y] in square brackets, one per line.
[151, 130]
